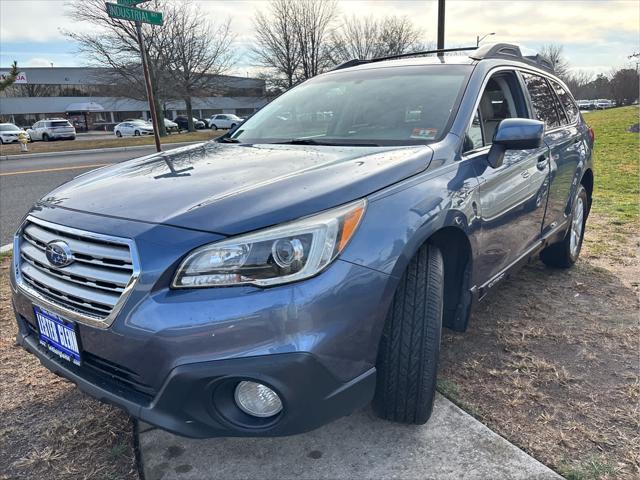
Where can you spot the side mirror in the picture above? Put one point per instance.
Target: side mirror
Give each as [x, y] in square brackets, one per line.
[515, 134]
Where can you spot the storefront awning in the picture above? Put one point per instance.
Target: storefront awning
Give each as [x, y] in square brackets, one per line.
[84, 107]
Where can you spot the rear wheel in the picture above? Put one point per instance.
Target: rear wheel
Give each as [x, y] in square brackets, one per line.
[136, 133]
[233, 125]
[214, 127]
[564, 254]
[407, 363]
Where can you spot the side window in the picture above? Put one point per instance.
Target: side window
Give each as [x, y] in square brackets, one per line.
[542, 99]
[502, 98]
[567, 101]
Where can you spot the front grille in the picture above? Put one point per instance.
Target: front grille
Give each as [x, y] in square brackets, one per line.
[90, 286]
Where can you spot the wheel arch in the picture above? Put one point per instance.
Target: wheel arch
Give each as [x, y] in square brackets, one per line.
[587, 182]
[457, 255]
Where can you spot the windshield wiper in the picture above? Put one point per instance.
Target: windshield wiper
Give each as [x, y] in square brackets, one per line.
[311, 141]
[229, 140]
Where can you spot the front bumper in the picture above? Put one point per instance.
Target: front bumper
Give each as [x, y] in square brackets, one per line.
[196, 400]
[314, 341]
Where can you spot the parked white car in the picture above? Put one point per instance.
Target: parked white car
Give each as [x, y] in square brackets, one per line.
[134, 128]
[52, 129]
[224, 120]
[171, 126]
[9, 133]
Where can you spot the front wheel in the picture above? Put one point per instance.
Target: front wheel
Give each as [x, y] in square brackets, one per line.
[565, 253]
[45, 137]
[136, 133]
[214, 127]
[407, 362]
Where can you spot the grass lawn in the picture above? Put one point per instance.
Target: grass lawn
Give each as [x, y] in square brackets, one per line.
[66, 145]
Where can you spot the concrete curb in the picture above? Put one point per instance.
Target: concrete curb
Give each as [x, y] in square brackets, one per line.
[453, 445]
[29, 156]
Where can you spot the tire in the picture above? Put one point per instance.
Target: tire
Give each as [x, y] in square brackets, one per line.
[214, 127]
[233, 125]
[119, 134]
[1, 141]
[136, 133]
[45, 137]
[565, 253]
[407, 362]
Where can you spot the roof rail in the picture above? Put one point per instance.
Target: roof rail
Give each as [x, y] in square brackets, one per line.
[510, 51]
[354, 62]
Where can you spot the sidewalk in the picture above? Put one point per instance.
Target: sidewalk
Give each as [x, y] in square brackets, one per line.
[453, 445]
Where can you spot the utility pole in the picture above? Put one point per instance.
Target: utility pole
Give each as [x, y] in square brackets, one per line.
[147, 81]
[440, 27]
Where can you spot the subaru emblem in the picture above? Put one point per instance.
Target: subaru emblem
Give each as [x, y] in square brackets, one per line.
[59, 254]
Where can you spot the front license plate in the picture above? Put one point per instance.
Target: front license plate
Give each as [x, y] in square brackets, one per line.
[58, 335]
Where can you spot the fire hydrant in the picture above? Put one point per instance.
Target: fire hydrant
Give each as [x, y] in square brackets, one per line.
[23, 138]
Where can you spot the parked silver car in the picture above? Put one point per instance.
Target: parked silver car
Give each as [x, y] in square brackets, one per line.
[224, 120]
[134, 128]
[52, 129]
[9, 133]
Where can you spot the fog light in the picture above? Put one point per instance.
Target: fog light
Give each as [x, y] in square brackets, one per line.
[257, 399]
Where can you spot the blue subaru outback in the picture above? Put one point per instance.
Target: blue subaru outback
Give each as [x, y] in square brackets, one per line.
[304, 264]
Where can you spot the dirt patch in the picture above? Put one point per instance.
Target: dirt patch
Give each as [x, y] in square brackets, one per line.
[551, 361]
[48, 429]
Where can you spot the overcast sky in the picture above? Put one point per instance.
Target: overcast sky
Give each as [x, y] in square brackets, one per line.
[597, 35]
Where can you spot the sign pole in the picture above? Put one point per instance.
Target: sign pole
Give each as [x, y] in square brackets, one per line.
[147, 80]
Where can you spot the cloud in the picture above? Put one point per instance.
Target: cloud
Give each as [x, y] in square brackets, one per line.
[38, 62]
[585, 28]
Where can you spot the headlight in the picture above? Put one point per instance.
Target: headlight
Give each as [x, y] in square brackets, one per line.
[286, 253]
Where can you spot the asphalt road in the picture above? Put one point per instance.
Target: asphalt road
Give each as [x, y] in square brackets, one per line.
[23, 182]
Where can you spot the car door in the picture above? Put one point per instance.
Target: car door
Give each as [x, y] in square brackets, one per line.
[512, 197]
[568, 147]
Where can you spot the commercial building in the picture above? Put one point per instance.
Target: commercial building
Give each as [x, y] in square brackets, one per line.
[91, 100]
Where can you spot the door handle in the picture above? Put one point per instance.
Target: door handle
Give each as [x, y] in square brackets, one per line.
[542, 162]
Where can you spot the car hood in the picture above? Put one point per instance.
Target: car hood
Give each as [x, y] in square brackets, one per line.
[234, 188]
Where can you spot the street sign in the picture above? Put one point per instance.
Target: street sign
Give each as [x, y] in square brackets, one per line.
[130, 3]
[134, 14]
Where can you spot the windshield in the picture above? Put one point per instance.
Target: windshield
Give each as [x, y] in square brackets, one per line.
[384, 106]
[8, 127]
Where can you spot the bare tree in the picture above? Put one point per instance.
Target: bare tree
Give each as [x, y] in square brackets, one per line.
[312, 21]
[367, 37]
[554, 53]
[276, 47]
[114, 45]
[10, 77]
[200, 50]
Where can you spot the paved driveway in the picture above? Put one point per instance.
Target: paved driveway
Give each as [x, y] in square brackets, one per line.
[453, 445]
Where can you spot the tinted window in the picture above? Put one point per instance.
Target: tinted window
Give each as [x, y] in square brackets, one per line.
[568, 103]
[385, 106]
[542, 99]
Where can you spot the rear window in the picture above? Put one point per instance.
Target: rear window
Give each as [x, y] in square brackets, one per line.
[61, 123]
[568, 103]
[542, 99]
